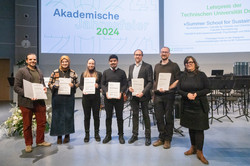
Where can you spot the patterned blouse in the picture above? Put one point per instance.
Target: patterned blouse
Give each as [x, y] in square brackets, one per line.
[54, 78]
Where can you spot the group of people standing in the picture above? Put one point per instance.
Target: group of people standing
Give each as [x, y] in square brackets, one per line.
[192, 85]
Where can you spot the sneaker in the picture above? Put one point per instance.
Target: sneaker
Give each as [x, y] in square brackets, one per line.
[158, 143]
[44, 144]
[167, 145]
[28, 148]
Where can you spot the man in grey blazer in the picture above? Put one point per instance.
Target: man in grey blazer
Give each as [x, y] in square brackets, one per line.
[140, 100]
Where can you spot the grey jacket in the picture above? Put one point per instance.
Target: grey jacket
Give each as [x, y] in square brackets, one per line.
[24, 73]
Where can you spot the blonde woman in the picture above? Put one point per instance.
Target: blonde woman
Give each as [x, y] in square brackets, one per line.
[91, 101]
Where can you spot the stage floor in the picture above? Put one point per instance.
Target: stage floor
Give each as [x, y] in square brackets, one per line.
[226, 144]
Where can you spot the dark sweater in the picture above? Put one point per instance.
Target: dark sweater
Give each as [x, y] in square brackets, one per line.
[170, 67]
[98, 81]
[118, 75]
[194, 113]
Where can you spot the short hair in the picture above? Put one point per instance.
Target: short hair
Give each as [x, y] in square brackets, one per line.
[113, 56]
[29, 54]
[138, 50]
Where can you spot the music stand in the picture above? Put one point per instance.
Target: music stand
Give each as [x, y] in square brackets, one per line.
[227, 85]
[217, 73]
[245, 85]
[214, 85]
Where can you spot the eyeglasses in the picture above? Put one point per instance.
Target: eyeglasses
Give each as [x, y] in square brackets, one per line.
[138, 54]
[190, 62]
[165, 52]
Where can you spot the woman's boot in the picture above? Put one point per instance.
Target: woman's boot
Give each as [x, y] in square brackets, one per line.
[66, 139]
[59, 140]
[191, 151]
[86, 139]
[201, 157]
[97, 136]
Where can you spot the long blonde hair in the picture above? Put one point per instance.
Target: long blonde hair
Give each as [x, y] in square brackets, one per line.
[87, 73]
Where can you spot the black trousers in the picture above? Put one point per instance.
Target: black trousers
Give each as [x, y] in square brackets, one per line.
[163, 106]
[91, 102]
[118, 105]
[135, 105]
[197, 138]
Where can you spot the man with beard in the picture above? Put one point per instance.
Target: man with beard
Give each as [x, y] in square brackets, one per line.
[32, 106]
[144, 71]
[114, 74]
[164, 100]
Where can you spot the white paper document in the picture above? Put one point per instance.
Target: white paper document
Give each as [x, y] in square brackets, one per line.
[34, 90]
[64, 88]
[89, 85]
[114, 90]
[163, 81]
[137, 85]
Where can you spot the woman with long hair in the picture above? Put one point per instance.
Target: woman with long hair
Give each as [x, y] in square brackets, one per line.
[91, 101]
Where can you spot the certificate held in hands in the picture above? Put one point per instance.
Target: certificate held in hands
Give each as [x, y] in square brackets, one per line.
[163, 81]
[137, 85]
[114, 90]
[64, 88]
[89, 85]
[33, 90]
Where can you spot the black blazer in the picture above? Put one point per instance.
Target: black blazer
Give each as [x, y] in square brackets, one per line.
[146, 72]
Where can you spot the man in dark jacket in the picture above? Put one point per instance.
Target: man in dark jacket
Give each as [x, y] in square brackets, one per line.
[140, 70]
[29, 106]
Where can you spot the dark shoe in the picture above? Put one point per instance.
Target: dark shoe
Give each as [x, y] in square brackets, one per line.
[97, 137]
[107, 139]
[167, 145]
[59, 140]
[191, 151]
[158, 143]
[201, 157]
[86, 139]
[66, 139]
[132, 139]
[148, 141]
[121, 139]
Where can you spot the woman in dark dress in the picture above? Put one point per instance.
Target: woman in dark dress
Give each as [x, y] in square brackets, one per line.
[91, 101]
[63, 104]
[193, 87]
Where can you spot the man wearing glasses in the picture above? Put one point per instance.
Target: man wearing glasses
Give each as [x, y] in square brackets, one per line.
[143, 71]
[164, 99]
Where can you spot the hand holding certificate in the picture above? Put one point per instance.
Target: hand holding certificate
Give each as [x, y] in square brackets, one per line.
[163, 81]
[137, 85]
[89, 85]
[34, 90]
[114, 90]
[64, 87]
